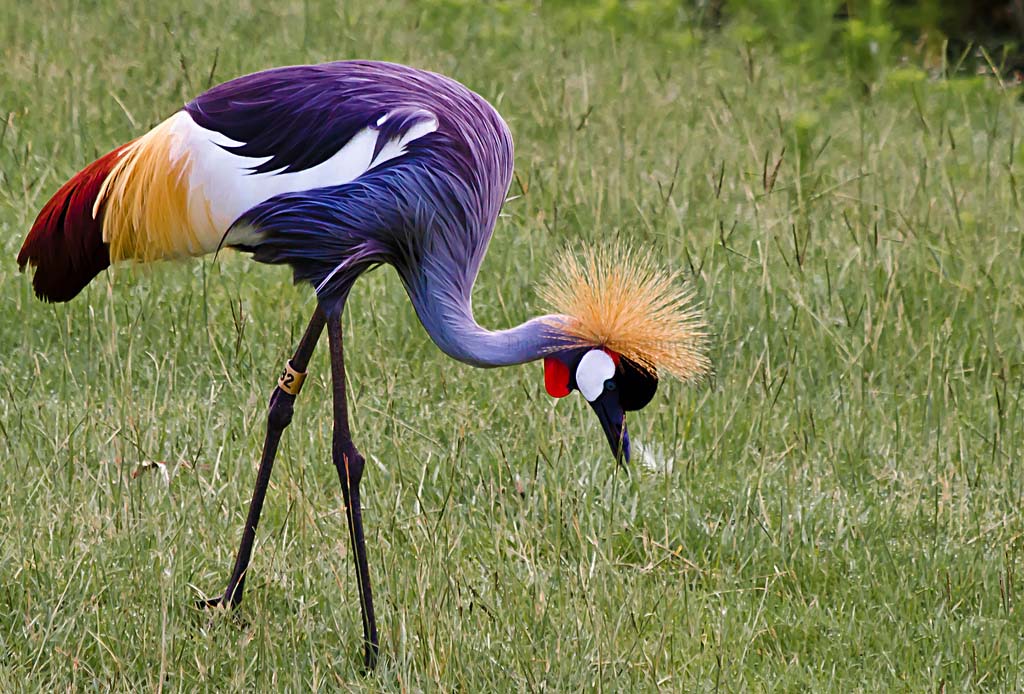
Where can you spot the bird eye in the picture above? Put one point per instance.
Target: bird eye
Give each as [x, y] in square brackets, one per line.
[609, 385]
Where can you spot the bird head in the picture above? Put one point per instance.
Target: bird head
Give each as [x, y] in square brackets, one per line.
[610, 383]
[622, 321]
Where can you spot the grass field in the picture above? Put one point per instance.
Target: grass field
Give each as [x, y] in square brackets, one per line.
[836, 509]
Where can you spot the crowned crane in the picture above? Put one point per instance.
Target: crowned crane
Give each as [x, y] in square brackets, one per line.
[335, 169]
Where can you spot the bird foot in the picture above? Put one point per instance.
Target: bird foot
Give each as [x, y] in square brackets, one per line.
[218, 603]
[209, 604]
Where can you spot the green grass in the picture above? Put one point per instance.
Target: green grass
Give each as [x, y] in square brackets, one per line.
[843, 508]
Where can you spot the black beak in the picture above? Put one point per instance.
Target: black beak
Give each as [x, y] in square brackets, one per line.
[613, 419]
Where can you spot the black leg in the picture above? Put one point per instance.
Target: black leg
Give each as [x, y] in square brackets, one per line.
[279, 416]
[350, 464]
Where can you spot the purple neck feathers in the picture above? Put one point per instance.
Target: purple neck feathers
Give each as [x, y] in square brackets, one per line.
[459, 336]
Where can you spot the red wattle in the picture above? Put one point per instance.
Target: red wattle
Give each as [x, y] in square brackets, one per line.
[556, 377]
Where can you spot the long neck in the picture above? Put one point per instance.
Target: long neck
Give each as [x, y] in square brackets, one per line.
[445, 254]
[452, 327]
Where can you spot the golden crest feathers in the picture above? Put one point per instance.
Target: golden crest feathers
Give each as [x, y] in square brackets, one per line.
[620, 299]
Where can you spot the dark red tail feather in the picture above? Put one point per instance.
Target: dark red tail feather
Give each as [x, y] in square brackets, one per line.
[65, 245]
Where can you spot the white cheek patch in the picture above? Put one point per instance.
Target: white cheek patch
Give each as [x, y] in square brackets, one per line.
[595, 368]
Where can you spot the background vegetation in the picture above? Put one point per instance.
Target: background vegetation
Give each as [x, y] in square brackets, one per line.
[837, 509]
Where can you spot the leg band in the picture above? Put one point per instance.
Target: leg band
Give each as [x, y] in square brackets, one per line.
[291, 380]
